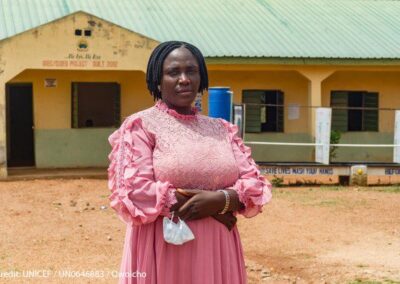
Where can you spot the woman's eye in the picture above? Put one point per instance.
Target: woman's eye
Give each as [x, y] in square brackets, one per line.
[173, 73]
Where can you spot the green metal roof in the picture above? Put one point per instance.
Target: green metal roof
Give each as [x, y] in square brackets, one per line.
[237, 28]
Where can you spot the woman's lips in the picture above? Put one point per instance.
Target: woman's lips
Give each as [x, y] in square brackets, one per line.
[184, 93]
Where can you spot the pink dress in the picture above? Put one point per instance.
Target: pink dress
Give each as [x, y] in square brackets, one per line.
[158, 150]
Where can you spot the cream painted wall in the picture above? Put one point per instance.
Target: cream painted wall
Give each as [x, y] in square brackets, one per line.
[294, 86]
[52, 106]
[55, 46]
[387, 84]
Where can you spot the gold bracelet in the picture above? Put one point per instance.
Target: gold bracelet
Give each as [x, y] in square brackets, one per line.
[227, 201]
[183, 193]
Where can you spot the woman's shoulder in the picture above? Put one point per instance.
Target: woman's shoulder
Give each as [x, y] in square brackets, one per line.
[129, 122]
[132, 123]
[220, 125]
[210, 120]
[219, 122]
[138, 117]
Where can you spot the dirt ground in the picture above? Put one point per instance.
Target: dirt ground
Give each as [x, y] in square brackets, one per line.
[56, 231]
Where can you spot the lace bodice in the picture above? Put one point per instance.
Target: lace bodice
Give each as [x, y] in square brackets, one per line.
[190, 151]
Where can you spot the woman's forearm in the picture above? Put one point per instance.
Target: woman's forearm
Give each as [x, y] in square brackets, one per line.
[204, 203]
[234, 204]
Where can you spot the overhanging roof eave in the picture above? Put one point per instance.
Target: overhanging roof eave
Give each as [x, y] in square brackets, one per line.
[301, 60]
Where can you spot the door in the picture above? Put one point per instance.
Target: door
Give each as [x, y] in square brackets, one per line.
[20, 151]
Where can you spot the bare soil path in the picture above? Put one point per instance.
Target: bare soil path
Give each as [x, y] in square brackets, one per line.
[56, 231]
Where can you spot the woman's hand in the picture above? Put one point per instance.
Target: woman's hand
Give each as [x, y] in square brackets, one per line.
[203, 203]
[228, 219]
[181, 199]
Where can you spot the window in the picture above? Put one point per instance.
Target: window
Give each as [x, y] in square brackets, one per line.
[95, 105]
[264, 110]
[354, 111]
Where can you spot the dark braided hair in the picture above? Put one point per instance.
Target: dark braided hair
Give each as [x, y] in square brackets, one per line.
[156, 61]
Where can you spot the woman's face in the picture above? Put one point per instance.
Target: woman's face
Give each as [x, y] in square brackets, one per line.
[180, 79]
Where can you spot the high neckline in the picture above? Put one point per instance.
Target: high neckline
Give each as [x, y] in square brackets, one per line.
[163, 106]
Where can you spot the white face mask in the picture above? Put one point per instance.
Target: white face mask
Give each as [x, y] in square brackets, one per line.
[176, 233]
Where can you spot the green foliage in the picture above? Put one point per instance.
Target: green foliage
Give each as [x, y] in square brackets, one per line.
[335, 138]
[389, 189]
[332, 187]
[277, 181]
[367, 281]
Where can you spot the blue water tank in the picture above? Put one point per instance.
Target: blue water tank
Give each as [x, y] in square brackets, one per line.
[220, 102]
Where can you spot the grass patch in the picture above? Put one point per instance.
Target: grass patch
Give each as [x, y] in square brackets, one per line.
[320, 197]
[367, 281]
[305, 256]
[308, 198]
[390, 189]
[364, 281]
[331, 202]
[333, 188]
[390, 281]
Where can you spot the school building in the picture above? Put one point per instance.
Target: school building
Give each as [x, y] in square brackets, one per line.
[71, 71]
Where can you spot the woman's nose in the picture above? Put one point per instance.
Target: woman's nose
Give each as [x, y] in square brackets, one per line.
[183, 79]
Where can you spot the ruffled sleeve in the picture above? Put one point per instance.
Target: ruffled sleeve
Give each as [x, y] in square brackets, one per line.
[253, 189]
[135, 195]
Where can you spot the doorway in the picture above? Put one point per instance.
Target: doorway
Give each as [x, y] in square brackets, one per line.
[19, 117]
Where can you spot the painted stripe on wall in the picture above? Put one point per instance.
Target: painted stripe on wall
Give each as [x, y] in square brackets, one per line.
[65, 148]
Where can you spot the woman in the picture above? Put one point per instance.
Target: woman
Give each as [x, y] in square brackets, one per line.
[168, 158]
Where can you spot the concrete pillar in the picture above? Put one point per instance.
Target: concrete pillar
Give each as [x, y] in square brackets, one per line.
[3, 144]
[315, 78]
[315, 100]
